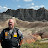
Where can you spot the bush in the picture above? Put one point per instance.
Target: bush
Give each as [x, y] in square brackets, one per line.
[35, 45]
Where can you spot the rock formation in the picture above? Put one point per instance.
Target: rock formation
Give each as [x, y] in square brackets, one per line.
[29, 14]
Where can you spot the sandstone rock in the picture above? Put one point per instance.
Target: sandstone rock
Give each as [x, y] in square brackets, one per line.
[45, 35]
[30, 40]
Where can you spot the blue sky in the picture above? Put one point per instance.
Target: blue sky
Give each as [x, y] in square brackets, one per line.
[28, 4]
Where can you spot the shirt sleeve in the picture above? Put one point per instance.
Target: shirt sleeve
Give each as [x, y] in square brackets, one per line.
[20, 35]
[1, 35]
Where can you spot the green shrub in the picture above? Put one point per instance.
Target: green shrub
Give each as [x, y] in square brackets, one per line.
[35, 45]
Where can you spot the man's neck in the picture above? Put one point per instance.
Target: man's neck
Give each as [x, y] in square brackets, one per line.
[11, 28]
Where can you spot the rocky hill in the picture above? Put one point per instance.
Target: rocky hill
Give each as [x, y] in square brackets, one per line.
[4, 17]
[29, 14]
[32, 31]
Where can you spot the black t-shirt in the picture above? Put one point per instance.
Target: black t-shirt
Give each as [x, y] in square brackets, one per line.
[11, 36]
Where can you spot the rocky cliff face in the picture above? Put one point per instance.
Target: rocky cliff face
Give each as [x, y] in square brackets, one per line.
[4, 17]
[29, 14]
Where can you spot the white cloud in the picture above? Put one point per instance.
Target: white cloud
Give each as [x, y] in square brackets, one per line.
[31, 7]
[2, 9]
[5, 7]
[32, 3]
[42, 6]
[18, 6]
[27, 0]
[37, 7]
[28, 5]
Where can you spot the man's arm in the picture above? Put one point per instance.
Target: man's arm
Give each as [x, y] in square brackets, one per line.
[20, 37]
[20, 43]
[1, 36]
[0, 41]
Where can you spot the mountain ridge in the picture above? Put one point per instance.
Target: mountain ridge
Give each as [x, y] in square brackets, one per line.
[28, 14]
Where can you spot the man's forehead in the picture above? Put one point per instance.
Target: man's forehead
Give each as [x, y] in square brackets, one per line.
[11, 20]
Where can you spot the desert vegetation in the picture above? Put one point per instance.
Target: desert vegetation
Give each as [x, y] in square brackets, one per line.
[37, 44]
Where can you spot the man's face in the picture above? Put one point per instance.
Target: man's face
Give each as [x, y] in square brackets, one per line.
[11, 23]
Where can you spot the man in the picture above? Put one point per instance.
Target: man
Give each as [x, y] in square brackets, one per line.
[11, 37]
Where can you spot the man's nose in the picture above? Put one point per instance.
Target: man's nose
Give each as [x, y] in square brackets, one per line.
[10, 23]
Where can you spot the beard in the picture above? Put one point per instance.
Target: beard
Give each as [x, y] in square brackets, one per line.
[10, 26]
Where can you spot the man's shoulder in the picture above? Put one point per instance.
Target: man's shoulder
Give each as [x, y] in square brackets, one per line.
[6, 28]
[16, 28]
